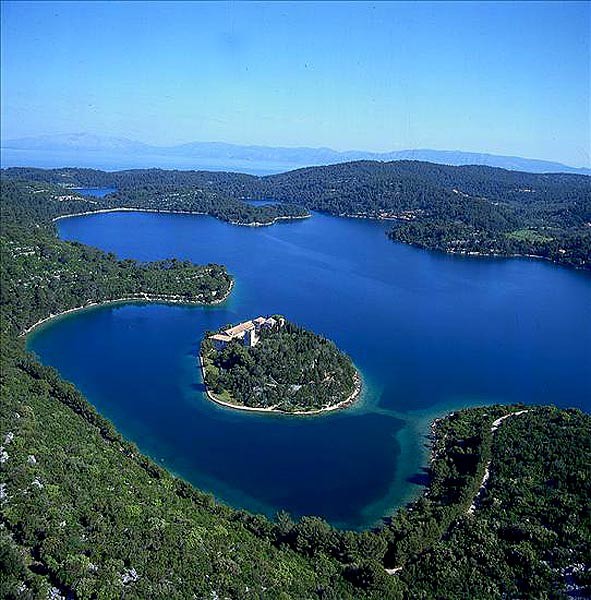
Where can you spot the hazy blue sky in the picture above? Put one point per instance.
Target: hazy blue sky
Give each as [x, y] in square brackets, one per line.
[492, 77]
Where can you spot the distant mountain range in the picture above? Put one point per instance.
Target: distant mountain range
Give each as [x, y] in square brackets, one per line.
[110, 153]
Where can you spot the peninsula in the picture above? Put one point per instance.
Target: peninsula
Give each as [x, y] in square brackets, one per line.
[43, 276]
[271, 365]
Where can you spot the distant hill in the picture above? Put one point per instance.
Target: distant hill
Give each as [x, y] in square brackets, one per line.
[113, 153]
[469, 209]
[76, 142]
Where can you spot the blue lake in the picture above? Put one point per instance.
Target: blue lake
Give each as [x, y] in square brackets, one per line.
[95, 192]
[429, 332]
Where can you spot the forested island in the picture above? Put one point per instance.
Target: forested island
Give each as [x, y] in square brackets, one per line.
[271, 364]
[469, 210]
[85, 515]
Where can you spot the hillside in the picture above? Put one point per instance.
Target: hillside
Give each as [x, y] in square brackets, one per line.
[463, 210]
[468, 210]
[144, 190]
[86, 515]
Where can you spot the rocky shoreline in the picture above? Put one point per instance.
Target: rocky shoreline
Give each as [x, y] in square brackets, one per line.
[177, 212]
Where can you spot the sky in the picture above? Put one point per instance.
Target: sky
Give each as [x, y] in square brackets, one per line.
[504, 78]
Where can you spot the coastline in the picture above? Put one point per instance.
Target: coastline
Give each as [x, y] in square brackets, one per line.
[478, 254]
[257, 224]
[140, 297]
[125, 209]
[177, 212]
[272, 410]
[465, 253]
[474, 253]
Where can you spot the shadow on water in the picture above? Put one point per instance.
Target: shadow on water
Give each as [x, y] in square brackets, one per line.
[422, 479]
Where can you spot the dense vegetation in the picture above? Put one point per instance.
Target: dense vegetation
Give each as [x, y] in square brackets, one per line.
[465, 210]
[530, 536]
[176, 191]
[289, 369]
[85, 515]
[41, 275]
[469, 209]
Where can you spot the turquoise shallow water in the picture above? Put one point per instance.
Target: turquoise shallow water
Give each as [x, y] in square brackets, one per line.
[429, 332]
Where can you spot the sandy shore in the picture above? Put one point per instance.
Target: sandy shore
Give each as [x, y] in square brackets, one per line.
[273, 410]
[125, 209]
[177, 212]
[139, 297]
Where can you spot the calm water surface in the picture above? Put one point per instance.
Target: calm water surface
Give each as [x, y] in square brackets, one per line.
[429, 332]
[96, 192]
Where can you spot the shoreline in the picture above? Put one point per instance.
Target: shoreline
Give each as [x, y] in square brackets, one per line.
[463, 253]
[124, 209]
[272, 410]
[258, 224]
[478, 254]
[474, 253]
[177, 212]
[140, 297]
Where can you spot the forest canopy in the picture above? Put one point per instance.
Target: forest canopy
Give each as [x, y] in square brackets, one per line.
[470, 210]
[85, 515]
[289, 370]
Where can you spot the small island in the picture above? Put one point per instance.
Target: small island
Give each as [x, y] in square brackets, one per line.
[269, 364]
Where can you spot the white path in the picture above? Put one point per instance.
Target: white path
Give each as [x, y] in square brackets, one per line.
[495, 425]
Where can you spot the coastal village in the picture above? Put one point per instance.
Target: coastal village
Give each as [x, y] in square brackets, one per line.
[247, 331]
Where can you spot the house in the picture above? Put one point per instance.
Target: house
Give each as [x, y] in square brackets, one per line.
[220, 340]
[246, 331]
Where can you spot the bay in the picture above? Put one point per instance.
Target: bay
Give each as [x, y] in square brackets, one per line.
[429, 332]
[95, 192]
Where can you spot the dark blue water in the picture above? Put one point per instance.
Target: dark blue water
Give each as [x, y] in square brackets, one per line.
[95, 192]
[429, 332]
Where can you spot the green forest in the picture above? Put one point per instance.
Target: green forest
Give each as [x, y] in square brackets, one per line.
[289, 369]
[41, 275]
[470, 210]
[155, 190]
[85, 515]
[464, 210]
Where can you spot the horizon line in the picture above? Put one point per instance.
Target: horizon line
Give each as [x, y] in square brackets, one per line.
[3, 141]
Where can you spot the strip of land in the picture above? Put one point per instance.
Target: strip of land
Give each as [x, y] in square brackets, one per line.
[140, 297]
[177, 212]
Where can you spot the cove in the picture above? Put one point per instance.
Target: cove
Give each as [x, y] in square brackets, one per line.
[95, 192]
[429, 332]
